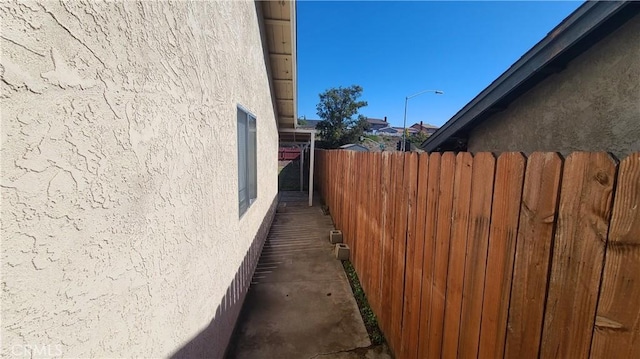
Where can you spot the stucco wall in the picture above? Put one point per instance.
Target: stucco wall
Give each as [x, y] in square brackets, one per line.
[120, 227]
[594, 105]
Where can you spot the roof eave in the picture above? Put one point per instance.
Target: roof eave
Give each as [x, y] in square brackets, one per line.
[279, 24]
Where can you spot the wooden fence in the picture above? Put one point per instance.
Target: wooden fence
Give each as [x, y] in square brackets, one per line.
[476, 256]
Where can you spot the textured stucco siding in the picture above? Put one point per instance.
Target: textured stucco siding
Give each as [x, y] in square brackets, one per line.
[120, 227]
[593, 105]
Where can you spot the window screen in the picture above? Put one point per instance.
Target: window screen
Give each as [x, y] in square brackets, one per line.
[247, 160]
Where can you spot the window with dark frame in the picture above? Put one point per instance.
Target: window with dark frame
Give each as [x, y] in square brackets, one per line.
[247, 160]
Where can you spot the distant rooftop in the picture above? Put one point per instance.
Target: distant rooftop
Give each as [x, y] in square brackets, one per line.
[377, 121]
[309, 124]
[424, 125]
[354, 147]
[397, 130]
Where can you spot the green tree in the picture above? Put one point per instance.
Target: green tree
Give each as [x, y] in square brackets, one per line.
[341, 123]
[418, 138]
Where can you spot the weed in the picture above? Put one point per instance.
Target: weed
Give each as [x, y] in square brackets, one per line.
[369, 318]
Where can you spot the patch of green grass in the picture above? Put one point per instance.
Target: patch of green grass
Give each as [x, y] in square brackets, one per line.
[369, 318]
[373, 137]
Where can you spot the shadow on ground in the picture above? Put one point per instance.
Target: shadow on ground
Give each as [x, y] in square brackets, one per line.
[214, 339]
[300, 303]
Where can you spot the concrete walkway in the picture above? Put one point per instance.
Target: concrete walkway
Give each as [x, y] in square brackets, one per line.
[300, 304]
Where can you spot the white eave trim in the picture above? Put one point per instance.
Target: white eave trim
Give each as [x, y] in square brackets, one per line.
[298, 130]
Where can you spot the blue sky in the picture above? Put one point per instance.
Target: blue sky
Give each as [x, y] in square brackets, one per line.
[396, 49]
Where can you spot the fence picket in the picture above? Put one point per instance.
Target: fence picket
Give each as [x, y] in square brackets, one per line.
[502, 244]
[359, 210]
[413, 278]
[352, 200]
[533, 254]
[428, 202]
[376, 236]
[617, 325]
[405, 184]
[457, 255]
[391, 171]
[431, 330]
[576, 268]
[476, 257]
[367, 223]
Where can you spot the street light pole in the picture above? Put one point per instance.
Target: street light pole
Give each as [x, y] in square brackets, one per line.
[404, 125]
[406, 102]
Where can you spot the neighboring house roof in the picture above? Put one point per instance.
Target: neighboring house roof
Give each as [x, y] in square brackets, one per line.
[354, 147]
[308, 124]
[574, 35]
[425, 126]
[377, 121]
[409, 130]
[390, 129]
[376, 124]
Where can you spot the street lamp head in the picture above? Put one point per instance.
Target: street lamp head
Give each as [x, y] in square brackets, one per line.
[437, 92]
[406, 101]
